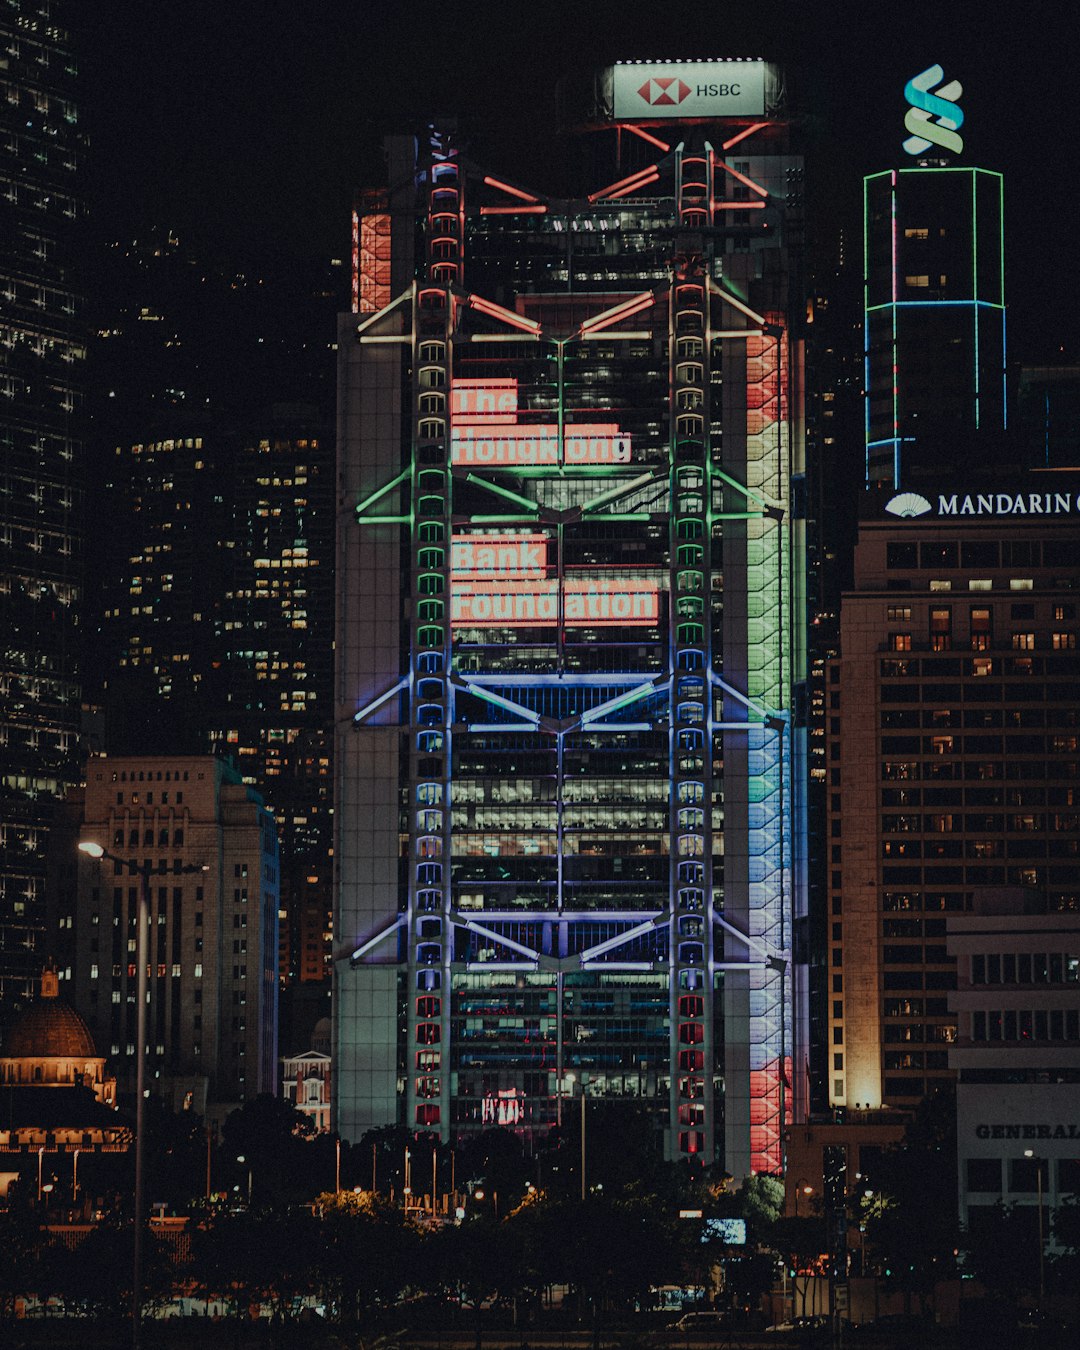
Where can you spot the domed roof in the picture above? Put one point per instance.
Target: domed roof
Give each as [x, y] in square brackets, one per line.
[49, 1028]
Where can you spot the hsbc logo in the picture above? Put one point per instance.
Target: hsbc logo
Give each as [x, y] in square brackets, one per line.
[664, 93]
[678, 90]
[669, 91]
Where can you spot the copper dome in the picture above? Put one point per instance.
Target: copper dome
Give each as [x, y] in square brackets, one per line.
[49, 1028]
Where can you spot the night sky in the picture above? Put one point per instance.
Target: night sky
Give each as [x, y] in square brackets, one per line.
[246, 126]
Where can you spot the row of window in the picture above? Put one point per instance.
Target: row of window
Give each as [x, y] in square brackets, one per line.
[941, 639]
[951, 553]
[984, 1174]
[1025, 968]
[1018, 1024]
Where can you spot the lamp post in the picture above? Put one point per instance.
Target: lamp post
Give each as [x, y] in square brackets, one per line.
[75, 1176]
[802, 1187]
[1029, 1153]
[584, 1079]
[40, 1162]
[142, 995]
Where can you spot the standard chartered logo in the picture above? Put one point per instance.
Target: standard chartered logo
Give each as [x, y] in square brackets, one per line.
[933, 118]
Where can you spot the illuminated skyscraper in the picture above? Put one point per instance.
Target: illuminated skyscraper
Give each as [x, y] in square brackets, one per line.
[217, 627]
[934, 322]
[41, 354]
[570, 605]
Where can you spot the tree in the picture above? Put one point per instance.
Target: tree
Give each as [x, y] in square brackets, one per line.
[367, 1253]
[20, 1241]
[912, 1228]
[273, 1139]
[802, 1244]
[1001, 1249]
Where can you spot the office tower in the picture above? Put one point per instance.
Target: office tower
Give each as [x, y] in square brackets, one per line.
[209, 847]
[217, 622]
[953, 758]
[1048, 416]
[41, 353]
[1017, 1056]
[934, 322]
[568, 842]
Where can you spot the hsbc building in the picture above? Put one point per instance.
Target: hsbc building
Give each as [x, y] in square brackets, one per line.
[570, 852]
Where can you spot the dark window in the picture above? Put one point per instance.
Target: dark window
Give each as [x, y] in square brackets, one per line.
[984, 1174]
[901, 555]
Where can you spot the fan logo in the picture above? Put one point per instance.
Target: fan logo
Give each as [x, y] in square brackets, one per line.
[908, 504]
[665, 92]
[933, 118]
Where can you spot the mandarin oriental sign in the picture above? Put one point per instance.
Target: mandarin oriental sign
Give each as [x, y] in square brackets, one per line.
[945, 505]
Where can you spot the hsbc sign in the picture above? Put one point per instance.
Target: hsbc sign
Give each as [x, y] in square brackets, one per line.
[688, 89]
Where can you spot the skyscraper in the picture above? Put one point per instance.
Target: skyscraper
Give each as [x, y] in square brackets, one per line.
[953, 763]
[209, 849]
[216, 633]
[934, 321]
[568, 842]
[41, 353]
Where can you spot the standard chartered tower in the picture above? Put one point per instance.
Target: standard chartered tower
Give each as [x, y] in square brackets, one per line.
[570, 746]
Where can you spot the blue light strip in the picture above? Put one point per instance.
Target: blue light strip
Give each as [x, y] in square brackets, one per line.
[369, 708]
[931, 304]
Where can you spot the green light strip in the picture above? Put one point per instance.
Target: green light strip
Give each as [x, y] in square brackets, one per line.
[619, 490]
[379, 493]
[503, 492]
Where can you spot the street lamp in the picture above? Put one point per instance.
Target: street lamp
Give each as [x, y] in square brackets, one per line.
[584, 1079]
[478, 1194]
[1030, 1153]
[241, 1158]
[40, 1161]
[805, 1189]
[144, 872]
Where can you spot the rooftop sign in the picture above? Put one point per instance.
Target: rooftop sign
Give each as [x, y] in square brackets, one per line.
[682, 89]
[956, 505]
[933, 118]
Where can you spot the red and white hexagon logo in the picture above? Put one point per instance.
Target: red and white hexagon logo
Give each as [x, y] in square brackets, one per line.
[664, 92]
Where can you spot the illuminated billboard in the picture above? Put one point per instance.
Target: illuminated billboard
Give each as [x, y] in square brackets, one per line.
[682, 89]
[513, 446]
[487, 434]
[502, 580]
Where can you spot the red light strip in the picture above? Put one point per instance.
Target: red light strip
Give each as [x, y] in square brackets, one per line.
[645, 136]
[513, 191]
[738, 206]
[504, 315]
[624, 185]
[634, 187]
[742, 135]
[522, 210]
[747, 182]
[620, 312]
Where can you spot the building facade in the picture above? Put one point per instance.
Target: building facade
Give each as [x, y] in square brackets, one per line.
[953, 759]
[1017, 1054]
[42, 349]
[209, 848]
[934, 322]
[216, 628]
[568, 843]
